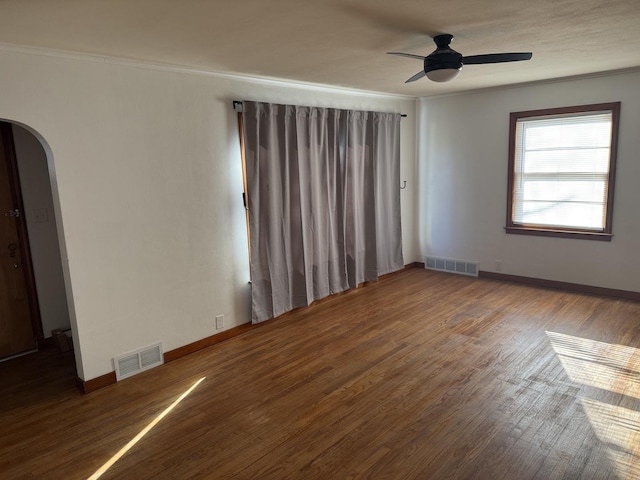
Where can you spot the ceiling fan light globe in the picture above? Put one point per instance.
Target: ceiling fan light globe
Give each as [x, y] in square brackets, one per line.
[443, 74]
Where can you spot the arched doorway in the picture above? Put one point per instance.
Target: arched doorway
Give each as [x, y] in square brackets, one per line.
[33, 296]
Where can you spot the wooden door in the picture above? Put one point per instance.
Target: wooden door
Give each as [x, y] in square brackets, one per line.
[16, 328]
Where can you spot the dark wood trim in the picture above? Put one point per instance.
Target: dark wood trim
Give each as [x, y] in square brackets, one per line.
[414, 265]
[615, 126]
[594, 107]
[96, 383]
[546, 232]
[522, 229]
[511, 167]
[245, 193]
[6, 131]
[409, 266]
[180, 352]
[572, 287]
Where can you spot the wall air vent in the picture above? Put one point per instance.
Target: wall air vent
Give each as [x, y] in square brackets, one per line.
[138, 361]
[461, 267]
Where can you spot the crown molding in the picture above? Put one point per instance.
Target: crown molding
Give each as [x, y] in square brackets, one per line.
[166, 67]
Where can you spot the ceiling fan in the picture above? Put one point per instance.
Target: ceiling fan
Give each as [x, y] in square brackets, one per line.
[444, 63]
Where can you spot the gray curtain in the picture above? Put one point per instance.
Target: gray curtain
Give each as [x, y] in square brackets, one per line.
[323, 189]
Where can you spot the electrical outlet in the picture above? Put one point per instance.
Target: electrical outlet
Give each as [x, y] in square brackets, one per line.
[219, 322]
[498, 265]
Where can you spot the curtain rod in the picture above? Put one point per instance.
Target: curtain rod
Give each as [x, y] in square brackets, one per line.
[237, 106]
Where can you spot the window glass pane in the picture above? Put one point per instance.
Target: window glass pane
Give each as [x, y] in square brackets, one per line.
[568, 160]
[576, 215]
[564, 191]
[585, 131]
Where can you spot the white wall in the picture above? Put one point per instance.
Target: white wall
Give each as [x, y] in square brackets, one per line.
[463, 184]
[41, 227]
[147, 181]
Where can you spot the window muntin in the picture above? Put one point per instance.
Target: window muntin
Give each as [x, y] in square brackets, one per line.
[561, 171]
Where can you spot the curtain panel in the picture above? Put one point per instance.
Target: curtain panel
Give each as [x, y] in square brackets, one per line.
[323, 192]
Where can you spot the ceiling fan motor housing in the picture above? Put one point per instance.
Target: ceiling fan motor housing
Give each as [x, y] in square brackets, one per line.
[443, 59]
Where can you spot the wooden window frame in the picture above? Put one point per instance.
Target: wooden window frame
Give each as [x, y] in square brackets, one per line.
[245, 194]
[561, 231]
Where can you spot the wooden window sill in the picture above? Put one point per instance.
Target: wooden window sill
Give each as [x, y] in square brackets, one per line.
[549, 232]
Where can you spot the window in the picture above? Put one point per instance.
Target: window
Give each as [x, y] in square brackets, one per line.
[561, 171]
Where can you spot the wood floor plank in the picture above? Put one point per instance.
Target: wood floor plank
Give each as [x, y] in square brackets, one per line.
[423, 375]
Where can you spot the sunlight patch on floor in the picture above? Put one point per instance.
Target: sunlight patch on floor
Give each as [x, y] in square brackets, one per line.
[619, 429]
[142, 433]
[615, 368]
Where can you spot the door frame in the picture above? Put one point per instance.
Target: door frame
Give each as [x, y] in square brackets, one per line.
[23, 236]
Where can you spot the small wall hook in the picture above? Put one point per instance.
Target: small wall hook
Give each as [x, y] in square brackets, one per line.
[404, 185]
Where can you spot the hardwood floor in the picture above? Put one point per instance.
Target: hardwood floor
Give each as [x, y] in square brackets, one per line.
[423, 375]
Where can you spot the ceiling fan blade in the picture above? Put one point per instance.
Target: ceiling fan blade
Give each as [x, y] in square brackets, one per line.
[417, 76]
[410, 55]
[496, 58]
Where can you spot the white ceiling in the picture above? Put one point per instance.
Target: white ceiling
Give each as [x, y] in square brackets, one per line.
[339, 42]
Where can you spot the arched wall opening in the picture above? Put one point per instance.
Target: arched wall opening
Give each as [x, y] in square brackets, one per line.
[46, 240]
